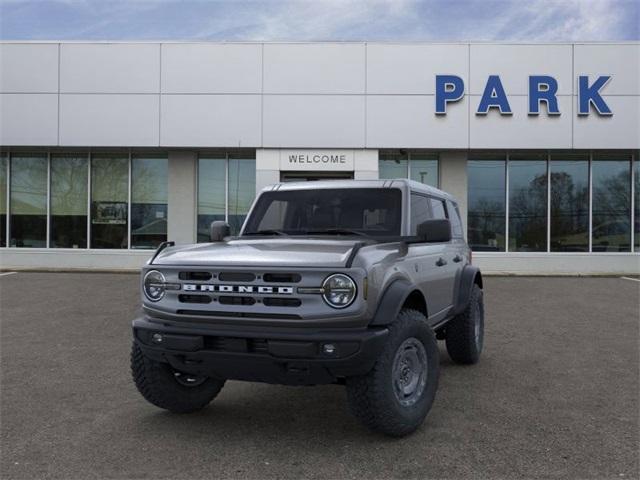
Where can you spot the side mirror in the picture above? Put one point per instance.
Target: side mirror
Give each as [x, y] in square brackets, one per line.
[218, 230]
[434, 231]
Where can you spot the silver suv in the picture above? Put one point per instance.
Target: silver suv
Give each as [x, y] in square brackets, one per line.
[348, 282]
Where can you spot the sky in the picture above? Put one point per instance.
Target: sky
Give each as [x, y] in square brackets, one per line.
[321, 20]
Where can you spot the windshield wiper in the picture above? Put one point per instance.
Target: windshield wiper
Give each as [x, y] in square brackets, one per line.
[266, 232]
[337, 231]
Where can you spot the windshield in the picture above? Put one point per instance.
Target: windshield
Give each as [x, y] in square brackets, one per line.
[338, 211]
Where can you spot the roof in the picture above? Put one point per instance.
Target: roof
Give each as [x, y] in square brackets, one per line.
[382, 183]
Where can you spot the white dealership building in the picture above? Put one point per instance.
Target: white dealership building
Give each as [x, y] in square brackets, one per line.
[107, 149]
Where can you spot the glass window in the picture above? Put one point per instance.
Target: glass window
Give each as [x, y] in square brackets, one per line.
[438, 209]
[420, 211]
[149, 194]
[528, 203]
[69, 178]
[569, 203]
[393, 165]
[109, 197]
[454, 218]
[3, 199]
[371, 211]
[611, 181]
[423, 168]
[636, 188]
[486, 198]
[242, 190]
[28, 200]
[211, 194]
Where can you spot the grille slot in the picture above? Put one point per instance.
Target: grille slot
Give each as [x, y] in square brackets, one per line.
[236, 277]
[194, 298]
[282, 302]
[197, 276]
[282, 277]
[209, 313]
[228, 300]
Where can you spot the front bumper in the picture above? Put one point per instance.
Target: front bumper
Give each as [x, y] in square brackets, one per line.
[284, 356]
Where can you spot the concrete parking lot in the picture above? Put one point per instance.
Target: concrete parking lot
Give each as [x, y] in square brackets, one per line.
[555, 395]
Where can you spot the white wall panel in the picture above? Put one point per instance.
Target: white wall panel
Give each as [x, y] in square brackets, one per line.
[211, 120]
[313, 121]
[411, 69]
[514, 64]
[620, 61]
[110, 68]
[28, 119]
[621, 130]
[109, 120]
[409, 121]
[28, 68]
[211, 68]
[521, 130]
[314, 68]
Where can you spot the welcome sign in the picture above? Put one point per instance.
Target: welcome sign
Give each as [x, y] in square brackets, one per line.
[317, 160]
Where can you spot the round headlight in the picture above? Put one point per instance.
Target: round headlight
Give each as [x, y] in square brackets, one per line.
[339, 290]
[154, 285]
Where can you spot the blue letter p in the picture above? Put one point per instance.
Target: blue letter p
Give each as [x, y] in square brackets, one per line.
[449, 88]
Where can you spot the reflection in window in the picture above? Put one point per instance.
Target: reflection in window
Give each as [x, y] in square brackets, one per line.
[611, 181]
[454, 218]
[528, 203]
[69, 201]
[569, 203]
[418, 166]
[420, 211]
[423, 168]
[211, 194]
[149, 194]
[636, 189]
[28, 201]
[438, 209]
[487, 205]
[3, 200]
[109, 196]
[393, 164]
[242, 190]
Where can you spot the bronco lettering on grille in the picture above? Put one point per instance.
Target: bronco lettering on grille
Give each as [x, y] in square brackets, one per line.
[260, 289]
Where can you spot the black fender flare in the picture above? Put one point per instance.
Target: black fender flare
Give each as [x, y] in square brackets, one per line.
[470, 275]
[391, 301]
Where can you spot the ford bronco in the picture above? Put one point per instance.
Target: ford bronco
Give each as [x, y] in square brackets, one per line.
[347, 282]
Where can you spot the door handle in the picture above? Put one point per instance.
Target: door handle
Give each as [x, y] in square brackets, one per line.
[441, 262]
[457, 259]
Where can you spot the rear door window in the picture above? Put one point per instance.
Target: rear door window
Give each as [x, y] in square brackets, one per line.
[454, 217]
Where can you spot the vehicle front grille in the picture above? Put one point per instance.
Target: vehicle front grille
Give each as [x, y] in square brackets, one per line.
[224, 314]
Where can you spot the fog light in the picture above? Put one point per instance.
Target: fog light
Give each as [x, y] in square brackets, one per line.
[156, 338]
[329, 348]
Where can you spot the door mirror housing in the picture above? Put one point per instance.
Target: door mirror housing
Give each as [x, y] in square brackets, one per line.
[434, 231]
[219, 230]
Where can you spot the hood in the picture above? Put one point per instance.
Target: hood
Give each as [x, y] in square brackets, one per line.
[279, 252]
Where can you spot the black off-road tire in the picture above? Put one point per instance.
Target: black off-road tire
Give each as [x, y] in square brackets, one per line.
[465, 333]
[157, 383]
[373, 398]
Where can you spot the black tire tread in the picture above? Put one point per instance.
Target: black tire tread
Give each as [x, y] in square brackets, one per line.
[154, 381]
[367, 393]
[459, 338]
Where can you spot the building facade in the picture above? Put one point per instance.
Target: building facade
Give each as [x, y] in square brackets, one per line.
[107, 149]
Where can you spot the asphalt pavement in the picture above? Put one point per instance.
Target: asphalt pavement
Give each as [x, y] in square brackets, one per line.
[555, 395]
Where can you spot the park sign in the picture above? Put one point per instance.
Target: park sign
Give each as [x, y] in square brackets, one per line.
[542, 89]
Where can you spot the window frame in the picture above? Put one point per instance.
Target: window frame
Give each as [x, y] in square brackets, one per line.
[226, 155]
[633, 158]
